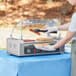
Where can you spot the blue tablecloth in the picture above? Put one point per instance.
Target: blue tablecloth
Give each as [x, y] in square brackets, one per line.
[50, 65]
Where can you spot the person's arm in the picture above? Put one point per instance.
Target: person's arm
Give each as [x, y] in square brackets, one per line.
[71, 32]
[63, 41]
[64, 27]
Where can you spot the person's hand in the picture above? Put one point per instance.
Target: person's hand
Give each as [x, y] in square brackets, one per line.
[46, 48]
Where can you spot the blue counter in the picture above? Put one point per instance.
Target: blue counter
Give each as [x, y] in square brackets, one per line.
[50, 65]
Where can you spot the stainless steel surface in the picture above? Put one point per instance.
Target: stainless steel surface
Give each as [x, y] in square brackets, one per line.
[20, 48]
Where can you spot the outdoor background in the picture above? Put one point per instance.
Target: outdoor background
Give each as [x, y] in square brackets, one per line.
[12, 11]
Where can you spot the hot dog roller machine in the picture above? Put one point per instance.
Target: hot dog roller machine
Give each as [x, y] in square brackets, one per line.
[21, 47]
